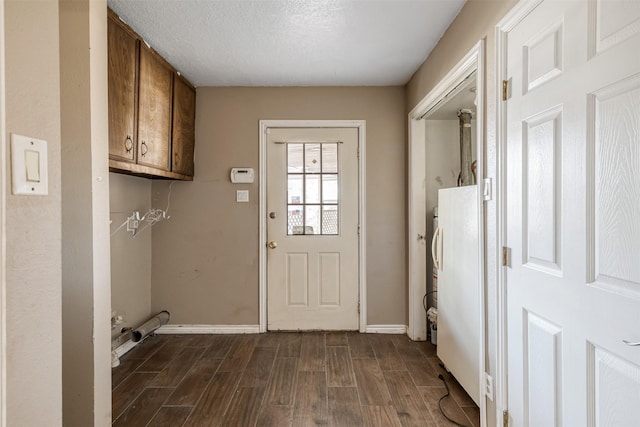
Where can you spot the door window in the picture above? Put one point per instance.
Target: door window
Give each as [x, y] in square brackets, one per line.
[312, 189]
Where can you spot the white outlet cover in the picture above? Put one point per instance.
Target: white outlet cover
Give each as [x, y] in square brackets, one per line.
[29, 166]
[242, 196]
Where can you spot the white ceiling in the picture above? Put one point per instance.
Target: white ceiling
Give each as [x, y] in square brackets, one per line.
[291, 42]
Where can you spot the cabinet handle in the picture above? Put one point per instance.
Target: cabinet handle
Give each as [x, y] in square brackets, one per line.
[144, 148]
[128, 144]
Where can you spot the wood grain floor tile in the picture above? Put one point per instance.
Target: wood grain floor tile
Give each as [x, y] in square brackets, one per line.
[160, 359]
[141, 410]
[372, 387]
[344, 407]
[387, 355]
[431, 396]
[244, 407]
[473, 415]
[423, 373]
[407, 399]
[336, 339]
[311, 399]
[127, 366]
[339, 369]
[220, 345]
[148, 347]
[213, 404]
[259, 368]
[289, 344]
[170, 416]
[129, 390]
[360, 346]
[239, 355]
[282, 384]
[312, 353]
[409, 350]
[282, 379]
[380, 416]
[194, 383]
[271, 416]
[175, 370]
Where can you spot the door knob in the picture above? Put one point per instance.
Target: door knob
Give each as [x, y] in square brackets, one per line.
[272, 215]
[272, 245]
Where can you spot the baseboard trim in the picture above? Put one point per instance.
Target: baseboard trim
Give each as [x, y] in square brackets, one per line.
[208, 329]
[385, 329]
[125, 347]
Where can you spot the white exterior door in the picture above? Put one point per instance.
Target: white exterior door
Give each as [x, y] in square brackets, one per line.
[312, 229]
[573, 214]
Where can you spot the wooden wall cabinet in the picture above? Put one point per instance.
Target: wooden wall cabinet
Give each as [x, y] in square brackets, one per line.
[151, 110]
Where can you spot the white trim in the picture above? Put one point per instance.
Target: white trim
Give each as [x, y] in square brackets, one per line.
[362, 271]
[474, 60]
[208, 329]
[506, 24]
[126, 347]
[386, 329]
[3, 235]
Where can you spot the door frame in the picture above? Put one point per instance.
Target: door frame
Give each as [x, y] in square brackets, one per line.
[506, 24]
[360, 125]
[3, 197]
[474, 60]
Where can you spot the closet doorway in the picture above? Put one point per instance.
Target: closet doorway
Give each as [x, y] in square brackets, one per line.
[438, 161]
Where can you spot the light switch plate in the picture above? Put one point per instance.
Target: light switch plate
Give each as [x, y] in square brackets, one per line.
[29, 166]
[242, 196]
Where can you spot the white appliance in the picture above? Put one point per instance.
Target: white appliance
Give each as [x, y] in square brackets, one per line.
[455, 252]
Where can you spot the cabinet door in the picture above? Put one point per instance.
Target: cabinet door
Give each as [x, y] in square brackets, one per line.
[122, 92]
[154, 111]
[184, 118]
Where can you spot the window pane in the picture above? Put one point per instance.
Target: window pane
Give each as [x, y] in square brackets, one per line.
[294, 158]
[312, 158]
[295, 224]
[330, 219]
[313, 189]
[330, 188]
[330, 158]
[312, 220]
[294, 193]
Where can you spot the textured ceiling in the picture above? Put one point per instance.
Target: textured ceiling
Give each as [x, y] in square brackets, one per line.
[291, 42]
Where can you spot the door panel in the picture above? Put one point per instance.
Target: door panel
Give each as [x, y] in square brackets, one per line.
[573, 214]
[154, 122]
[312, 227]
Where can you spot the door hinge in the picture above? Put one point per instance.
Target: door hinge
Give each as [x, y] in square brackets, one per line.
[505, 418]
[358, 307]
[486, 189]
[505, 90]
[358, 229]
[506, 256]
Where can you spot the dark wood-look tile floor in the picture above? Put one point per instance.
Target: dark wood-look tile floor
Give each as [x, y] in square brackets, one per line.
[285, 379]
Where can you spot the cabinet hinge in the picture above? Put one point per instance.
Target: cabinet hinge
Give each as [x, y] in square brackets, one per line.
[506, 256]
[505, 90]
[505, 418]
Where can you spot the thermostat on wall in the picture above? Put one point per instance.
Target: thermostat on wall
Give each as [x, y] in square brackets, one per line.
[242, 175]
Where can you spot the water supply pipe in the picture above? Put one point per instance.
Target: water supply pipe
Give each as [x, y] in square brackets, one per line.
[466, 175]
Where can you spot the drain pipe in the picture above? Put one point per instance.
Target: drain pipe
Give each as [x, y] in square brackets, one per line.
[150, 325]
[466, 175]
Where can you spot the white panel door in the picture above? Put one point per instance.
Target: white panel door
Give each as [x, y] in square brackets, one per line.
[312, 229]
[573, 215]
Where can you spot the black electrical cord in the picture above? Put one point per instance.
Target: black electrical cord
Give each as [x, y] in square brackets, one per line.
[440, 403]
[424, 299]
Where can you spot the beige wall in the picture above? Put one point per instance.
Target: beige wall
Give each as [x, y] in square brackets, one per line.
[476, 21]
[130, 256]
[205, 258]
[86, 373]
[33, 234]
